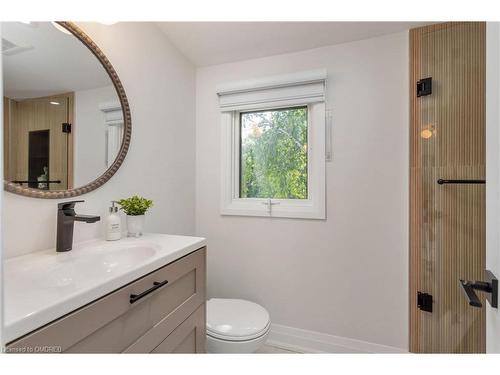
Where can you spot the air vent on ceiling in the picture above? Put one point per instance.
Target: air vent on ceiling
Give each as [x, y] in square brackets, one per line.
[9, 48]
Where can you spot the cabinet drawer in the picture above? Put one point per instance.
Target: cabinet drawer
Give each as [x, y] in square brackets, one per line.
[189, 337]
[112, 323]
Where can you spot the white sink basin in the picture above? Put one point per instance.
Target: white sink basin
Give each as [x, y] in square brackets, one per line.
[86, 268]
[125, 258]
[42, 286]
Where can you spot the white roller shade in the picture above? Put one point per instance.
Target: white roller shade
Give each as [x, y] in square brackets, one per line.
[276, 91]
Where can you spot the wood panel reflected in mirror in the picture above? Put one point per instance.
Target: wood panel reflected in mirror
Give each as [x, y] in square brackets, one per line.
[66, 116]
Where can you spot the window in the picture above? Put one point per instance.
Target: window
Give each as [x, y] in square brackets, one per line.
[273, 154]
[273, 147]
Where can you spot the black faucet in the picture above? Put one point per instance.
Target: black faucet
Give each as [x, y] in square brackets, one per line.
[66, 217]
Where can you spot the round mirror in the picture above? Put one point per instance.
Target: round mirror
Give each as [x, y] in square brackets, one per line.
[66, 117]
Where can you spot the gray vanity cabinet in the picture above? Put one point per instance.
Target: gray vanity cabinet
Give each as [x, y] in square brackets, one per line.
[189, 337]
[170, 318]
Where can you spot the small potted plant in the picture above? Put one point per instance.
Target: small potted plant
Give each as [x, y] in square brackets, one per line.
[135, 207]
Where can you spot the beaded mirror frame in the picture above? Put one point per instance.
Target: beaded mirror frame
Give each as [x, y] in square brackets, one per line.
[127, 129]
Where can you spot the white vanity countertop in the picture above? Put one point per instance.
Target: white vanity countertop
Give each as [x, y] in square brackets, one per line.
[45, 285]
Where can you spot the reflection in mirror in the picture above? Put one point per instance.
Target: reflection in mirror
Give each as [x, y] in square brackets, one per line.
[63, 122]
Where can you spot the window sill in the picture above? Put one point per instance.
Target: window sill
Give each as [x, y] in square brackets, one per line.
[303, 209]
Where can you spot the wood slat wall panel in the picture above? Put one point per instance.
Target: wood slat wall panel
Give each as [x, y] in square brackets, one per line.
[38, 114]
[447, 222]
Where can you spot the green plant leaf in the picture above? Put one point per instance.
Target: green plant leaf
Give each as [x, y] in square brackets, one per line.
[135, 205]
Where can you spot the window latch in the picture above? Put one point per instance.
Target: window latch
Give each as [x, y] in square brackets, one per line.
[270, 205]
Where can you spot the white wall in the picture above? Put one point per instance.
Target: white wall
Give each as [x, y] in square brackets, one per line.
[90, 133]
[160, 85]
[492, 175]
[348, 275]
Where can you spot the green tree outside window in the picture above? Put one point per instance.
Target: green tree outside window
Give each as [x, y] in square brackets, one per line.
[274, 154]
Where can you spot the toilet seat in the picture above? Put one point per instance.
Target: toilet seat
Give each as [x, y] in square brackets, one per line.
[236, 320]
[219, 336]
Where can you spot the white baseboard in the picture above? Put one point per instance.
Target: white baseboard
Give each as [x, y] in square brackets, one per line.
[304, 341]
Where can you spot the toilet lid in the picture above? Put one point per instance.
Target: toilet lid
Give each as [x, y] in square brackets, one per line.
[236, 319]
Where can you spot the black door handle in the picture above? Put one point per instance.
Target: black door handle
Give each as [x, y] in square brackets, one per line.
[442, 181]
[490, 286]
[156, 285]
[468, 288]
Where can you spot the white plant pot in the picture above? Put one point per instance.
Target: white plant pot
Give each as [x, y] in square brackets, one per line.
[135, 225]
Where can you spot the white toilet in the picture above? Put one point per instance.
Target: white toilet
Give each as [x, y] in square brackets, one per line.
[236, 326]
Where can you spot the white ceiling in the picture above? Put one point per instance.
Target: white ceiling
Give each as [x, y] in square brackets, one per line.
[209, 43]
[53, 62]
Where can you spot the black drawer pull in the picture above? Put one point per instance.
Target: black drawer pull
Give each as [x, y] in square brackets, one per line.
[156, 285]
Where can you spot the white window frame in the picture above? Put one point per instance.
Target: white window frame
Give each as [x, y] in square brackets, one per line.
[113, 121]
[272, 94]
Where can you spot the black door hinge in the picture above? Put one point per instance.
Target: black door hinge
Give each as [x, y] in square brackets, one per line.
[66, 128]
[424, 301]
[424, 87]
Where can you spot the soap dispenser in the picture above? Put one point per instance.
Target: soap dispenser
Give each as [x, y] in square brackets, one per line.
[113, 224]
